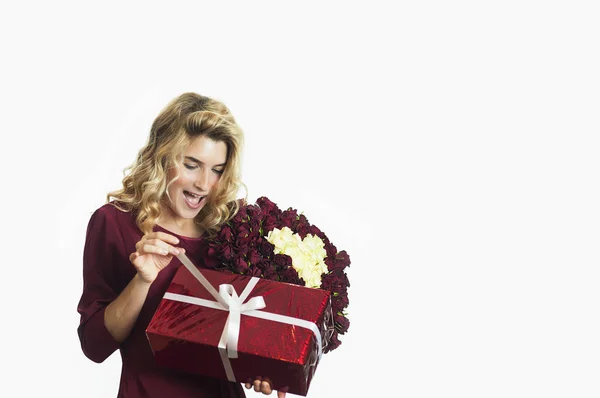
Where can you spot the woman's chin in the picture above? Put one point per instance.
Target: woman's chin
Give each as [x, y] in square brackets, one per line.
[189, 214]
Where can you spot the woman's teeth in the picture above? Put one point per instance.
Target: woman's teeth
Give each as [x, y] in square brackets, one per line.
[193, 198]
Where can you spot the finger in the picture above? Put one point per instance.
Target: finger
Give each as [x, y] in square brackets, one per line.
[163, 236]
[280, 394]
[257, 385]
[265, 387]
[163, 245]
[133, 256]
[160, 243]
[151, 249]
[248, 385]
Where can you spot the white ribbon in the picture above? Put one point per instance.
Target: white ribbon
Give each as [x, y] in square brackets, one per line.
[228, 300]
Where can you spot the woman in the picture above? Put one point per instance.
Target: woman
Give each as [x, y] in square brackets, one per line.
[182, 187]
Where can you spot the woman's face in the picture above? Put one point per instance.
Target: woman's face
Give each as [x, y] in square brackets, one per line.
[203, 163]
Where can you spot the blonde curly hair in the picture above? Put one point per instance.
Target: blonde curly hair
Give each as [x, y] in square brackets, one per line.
[145, 184]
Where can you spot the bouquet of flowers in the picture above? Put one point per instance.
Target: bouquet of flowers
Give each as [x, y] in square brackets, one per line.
[263, 241]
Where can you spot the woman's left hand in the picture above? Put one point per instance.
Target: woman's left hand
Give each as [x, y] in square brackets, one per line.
[265, 387]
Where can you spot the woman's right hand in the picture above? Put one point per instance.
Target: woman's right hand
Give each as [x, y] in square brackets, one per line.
[153, 253]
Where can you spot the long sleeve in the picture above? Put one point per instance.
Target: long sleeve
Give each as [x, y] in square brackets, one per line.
[103, 254]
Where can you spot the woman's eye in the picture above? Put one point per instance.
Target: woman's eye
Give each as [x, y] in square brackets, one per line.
[190, 166]
[219, 172]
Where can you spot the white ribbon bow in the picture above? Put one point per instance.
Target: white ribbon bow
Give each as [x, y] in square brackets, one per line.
[236, 307]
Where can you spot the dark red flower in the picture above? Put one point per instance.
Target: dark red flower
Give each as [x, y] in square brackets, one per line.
[243, 229]
[339, 302]
[334, 343]
[254, 272]
[341, 323]
[266, 205]
[290, 275]
[330, 249]
[241, 215]
[240, 265]
[266, 249]
[271, 274]
[303, 230]
[341, 261]
[316, 231]
[242, 242]
[288, 217]
[269, 223]
[226, 251]
[225, 233]
[254, 225]
[264, 265]
[282, 261]
[253, 257]
[210, 255]
[254, 213]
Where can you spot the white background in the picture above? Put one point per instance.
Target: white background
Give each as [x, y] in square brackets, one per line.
[450, 147]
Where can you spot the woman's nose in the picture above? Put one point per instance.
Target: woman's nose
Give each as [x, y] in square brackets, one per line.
[202, 181]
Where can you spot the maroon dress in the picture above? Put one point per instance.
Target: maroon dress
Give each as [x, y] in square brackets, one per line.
[111, 238]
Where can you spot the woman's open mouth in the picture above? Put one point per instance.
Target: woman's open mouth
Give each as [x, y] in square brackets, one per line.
[193, 200]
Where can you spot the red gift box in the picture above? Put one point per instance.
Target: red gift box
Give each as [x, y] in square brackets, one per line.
[238, 328]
